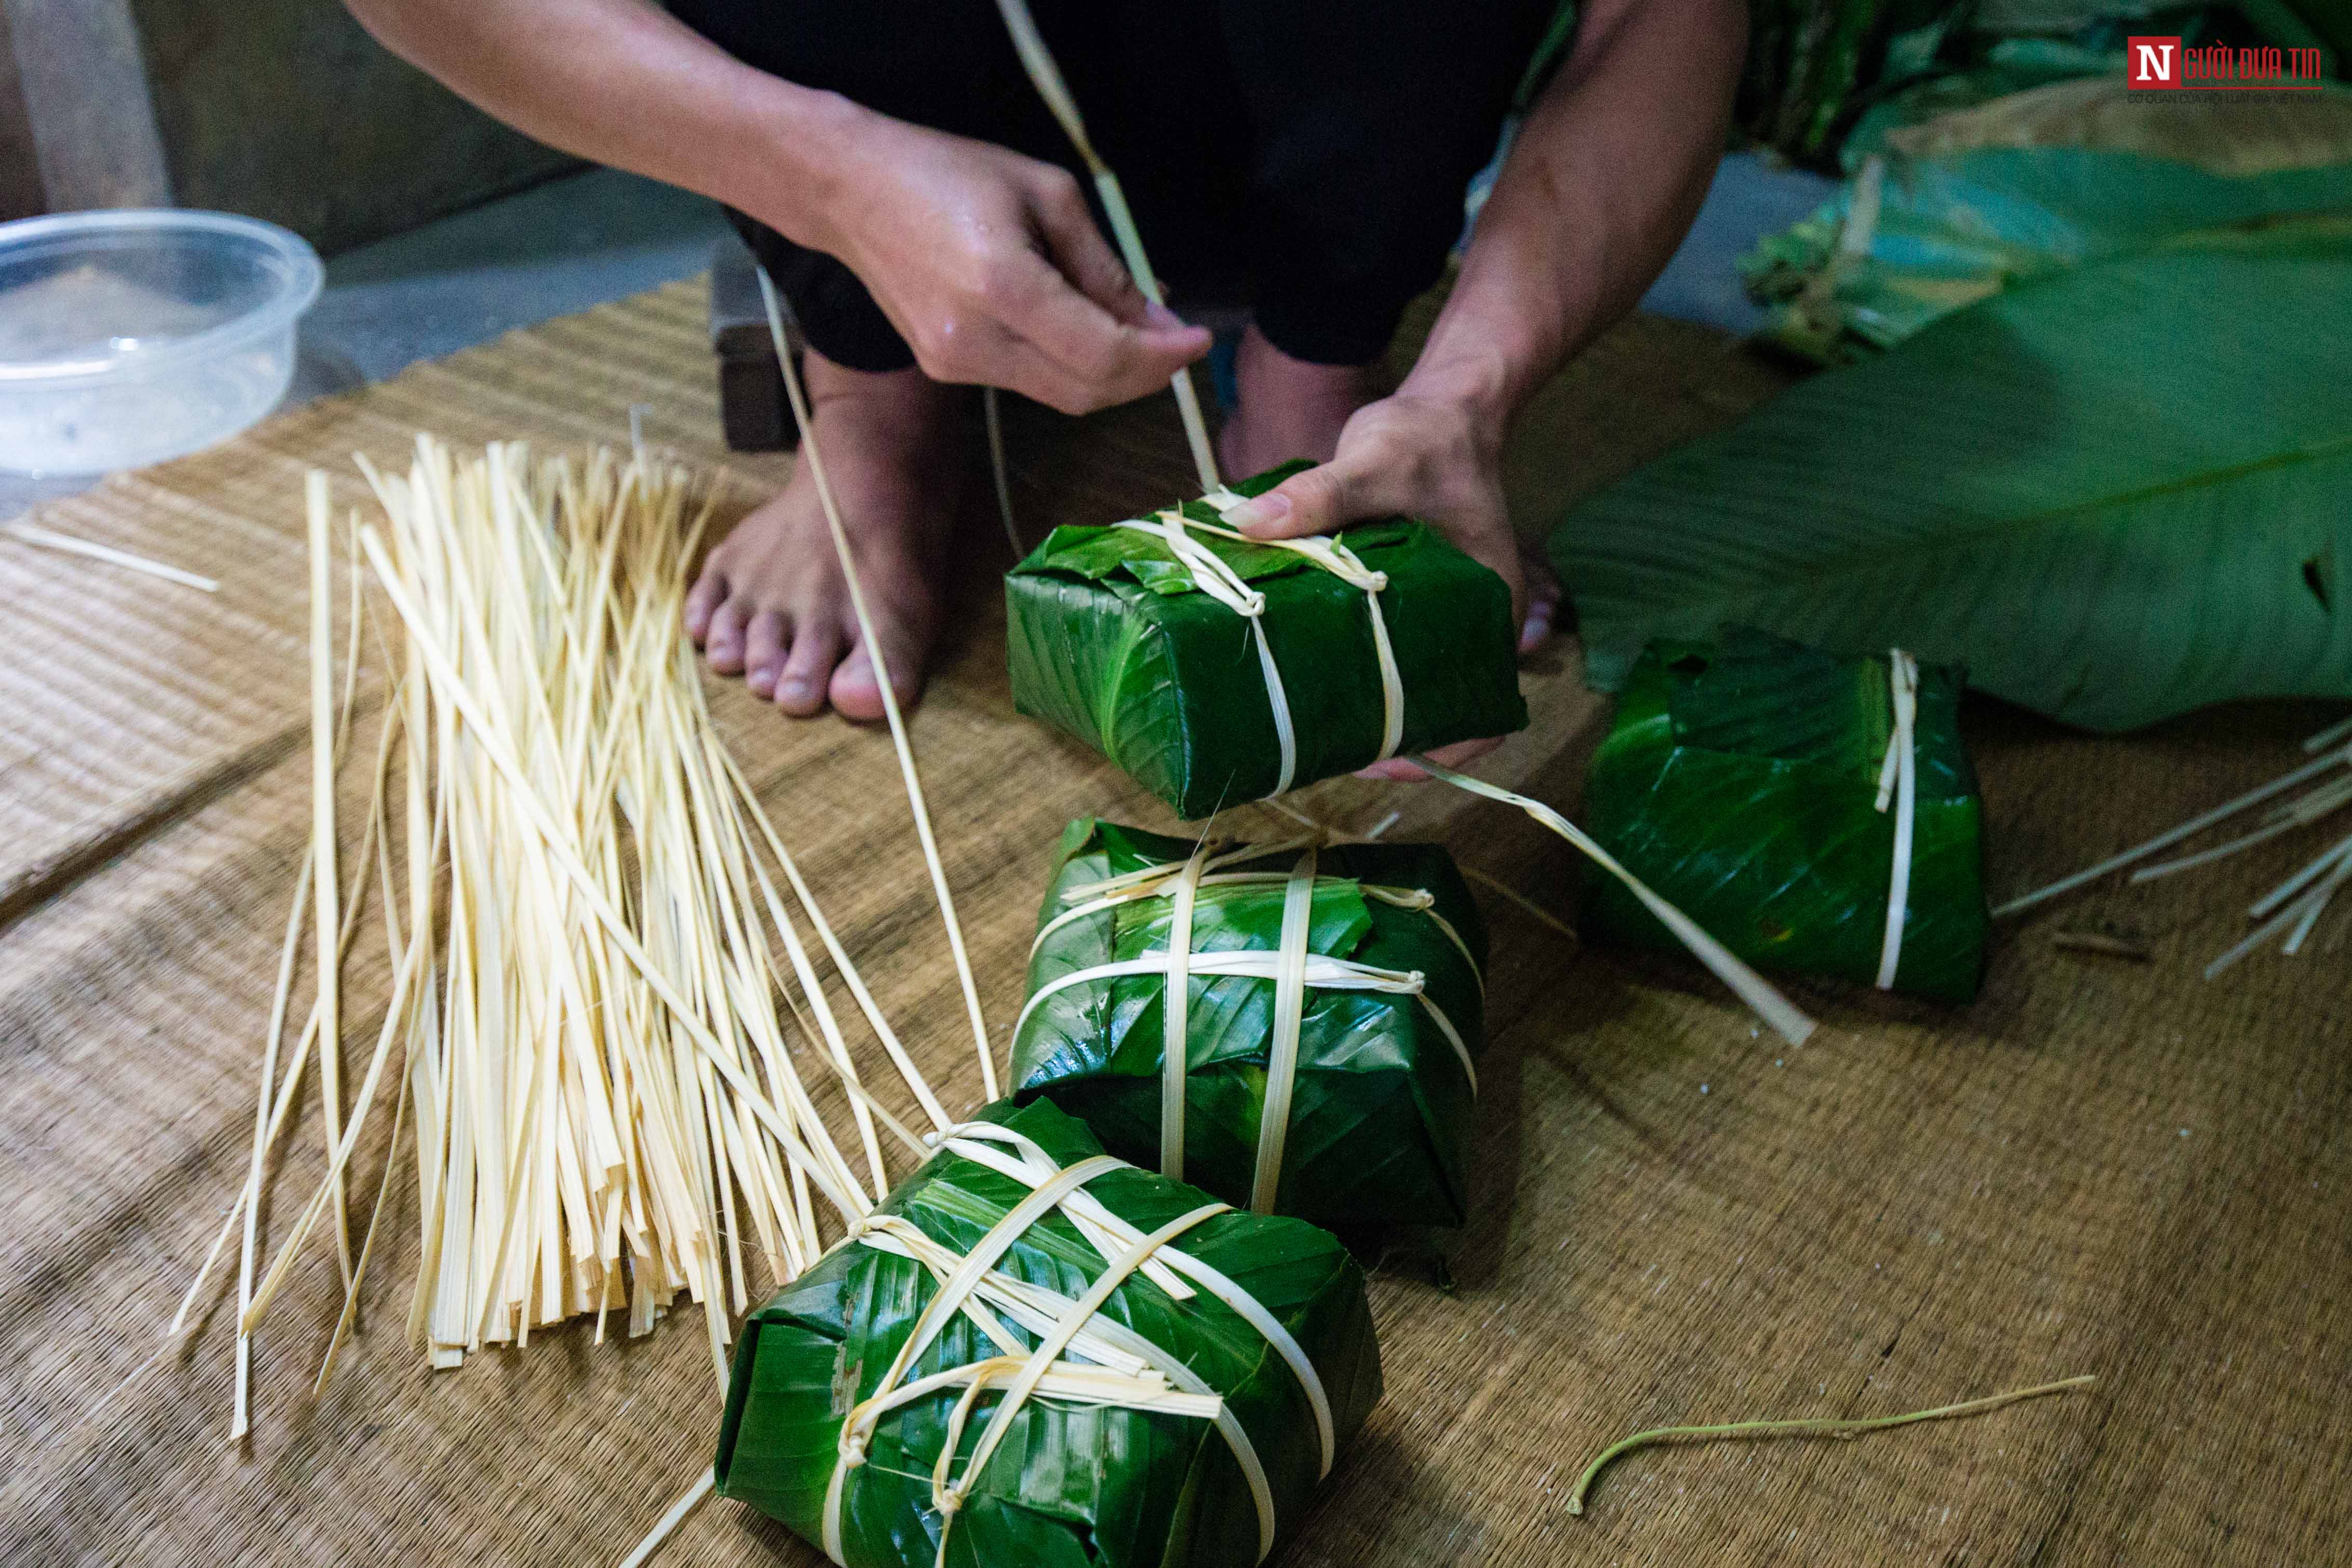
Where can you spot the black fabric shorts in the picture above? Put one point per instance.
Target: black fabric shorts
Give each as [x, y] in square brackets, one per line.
[1307, 158]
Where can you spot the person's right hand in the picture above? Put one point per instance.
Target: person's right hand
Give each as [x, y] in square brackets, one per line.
[990, 265]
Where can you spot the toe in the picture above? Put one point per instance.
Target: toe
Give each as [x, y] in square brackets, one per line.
[723, 645]
[763, 651]
[709, 591]
[808, 672]
[1543, 602]
[1401, 770]
[857, 695]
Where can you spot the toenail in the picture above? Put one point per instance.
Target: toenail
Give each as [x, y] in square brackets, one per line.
[795, 689]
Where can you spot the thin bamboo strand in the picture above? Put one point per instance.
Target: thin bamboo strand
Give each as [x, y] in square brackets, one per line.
[1037, 61]
[2300, 879]
[348, 1317]
[2187, 830]
[534, 816]
[994, 419]
[49, 539]
[2300, 813]
[2282, 921]
[2314, 908]
[325, 849]
[913, 1078]
[798, 397]
[671, 1519]
[2329, 737]
[1503, 890]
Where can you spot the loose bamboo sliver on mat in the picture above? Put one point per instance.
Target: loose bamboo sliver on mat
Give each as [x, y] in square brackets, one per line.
[49, 539]
[2291, 910]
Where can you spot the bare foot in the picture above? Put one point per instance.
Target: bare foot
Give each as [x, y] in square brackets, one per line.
[772, 604]
[1290, 408]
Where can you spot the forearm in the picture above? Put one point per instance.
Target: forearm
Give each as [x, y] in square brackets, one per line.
[1608, 171]
[623, 83]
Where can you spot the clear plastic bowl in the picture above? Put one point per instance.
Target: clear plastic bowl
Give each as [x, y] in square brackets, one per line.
[130, 337]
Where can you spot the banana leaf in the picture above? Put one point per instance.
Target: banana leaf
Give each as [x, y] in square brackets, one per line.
[2020, 107]
[1740, 781]
[1811, 62]
[1072, 1486]
[1112, 642]
[1382, 1109]
[2113, 494]
[1952, 229]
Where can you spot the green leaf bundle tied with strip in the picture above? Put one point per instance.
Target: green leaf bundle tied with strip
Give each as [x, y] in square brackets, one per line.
[1216, 669]
[1323, 1060]
[1036, 1353]
[1814, 814]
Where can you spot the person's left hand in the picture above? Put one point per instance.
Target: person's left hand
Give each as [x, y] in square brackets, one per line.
[1435, 458]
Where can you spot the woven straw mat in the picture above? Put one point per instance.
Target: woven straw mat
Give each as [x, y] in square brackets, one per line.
[2101, 1166]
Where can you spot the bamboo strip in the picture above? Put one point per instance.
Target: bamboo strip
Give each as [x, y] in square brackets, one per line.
[49, 539]
[799, 399]
[582, 1047]
[2187, 830]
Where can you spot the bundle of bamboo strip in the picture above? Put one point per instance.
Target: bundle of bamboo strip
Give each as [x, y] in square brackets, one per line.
[583, 900]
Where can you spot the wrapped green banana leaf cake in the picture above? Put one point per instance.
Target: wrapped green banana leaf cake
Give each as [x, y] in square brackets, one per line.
[1216, 670]
[1033, 1356]
[1321, 1061]
[1813, 813]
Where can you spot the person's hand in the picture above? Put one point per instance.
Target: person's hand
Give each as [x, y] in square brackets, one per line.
[1434, 457]
[990, 265]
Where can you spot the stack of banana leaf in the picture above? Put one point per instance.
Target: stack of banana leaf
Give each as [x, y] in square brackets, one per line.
[1815, 67]
[1965, 188]
[1073, 1481]
[1741, 780]
[1383, 1102]
[1113, 642]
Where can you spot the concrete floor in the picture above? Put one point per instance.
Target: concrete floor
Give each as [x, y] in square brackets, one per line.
[549, 251]
[600, 234]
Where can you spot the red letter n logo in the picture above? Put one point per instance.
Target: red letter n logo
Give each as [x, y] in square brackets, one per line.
[2153, 63]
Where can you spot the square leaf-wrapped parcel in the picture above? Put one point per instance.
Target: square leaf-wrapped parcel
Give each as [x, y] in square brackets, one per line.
[1383, 1097]
[1740, 781]
[1073, 1482]
[1113, 642]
